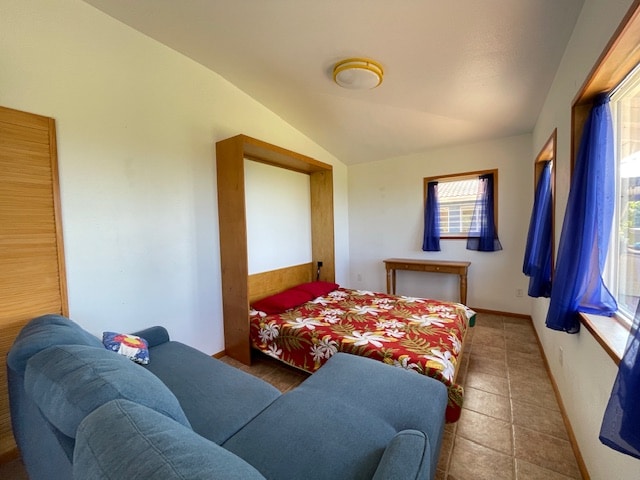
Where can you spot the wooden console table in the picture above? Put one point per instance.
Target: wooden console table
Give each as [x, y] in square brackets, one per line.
[436, 266]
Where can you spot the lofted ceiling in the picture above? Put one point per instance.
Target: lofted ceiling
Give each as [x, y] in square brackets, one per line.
[455, 71]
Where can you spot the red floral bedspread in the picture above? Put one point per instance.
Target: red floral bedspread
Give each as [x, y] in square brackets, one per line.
[413, 333]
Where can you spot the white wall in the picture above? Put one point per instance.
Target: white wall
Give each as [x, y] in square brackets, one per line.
[278, 212]
[386, 220]
[586, 377]
[137, 125]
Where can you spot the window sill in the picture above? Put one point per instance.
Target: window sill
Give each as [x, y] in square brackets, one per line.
[608, 332]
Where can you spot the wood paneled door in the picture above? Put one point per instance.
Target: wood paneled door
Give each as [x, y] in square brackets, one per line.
[32, 274]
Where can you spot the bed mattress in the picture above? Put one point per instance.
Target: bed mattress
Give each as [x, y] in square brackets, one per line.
[417, 334]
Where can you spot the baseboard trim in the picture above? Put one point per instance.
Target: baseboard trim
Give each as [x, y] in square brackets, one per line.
[505, 314]
[219, 355]
[565, 418]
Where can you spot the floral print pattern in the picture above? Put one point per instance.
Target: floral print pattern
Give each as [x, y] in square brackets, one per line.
[418, 334]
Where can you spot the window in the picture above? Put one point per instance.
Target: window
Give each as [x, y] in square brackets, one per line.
[623, 257]
[457, 197]
[538, 254]
[618, 58]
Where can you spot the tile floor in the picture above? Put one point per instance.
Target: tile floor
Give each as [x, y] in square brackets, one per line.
[510, 428]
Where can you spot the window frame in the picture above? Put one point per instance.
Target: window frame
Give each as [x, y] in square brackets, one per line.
[454, 177]
[626, 317]
[548, 153]
[618, 59]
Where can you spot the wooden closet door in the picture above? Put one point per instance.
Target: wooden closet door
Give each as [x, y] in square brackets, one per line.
[32, 276]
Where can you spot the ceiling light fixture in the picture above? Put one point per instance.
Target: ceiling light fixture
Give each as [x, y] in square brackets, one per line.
[358, 73]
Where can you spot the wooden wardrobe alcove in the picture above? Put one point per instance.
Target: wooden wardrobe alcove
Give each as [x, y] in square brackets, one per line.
[230, 156]
[32, 271]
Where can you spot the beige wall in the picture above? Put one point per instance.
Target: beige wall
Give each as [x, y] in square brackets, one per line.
[586, 376]
[386, 220]
[137, 125]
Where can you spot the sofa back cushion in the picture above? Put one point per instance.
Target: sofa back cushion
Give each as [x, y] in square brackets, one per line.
[43, 332]
[68, 382]
[218, 399]
[122, 439]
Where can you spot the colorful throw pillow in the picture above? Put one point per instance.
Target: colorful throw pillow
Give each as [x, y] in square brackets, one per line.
[283, 301]
[131, 346]
[317, 289]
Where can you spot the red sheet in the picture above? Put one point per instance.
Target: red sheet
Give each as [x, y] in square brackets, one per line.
[413, 333]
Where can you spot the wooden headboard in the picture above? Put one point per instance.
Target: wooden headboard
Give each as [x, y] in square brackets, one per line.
[238, 287]
[267, 283]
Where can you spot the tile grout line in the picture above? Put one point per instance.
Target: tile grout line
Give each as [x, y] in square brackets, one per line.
[511, 412]
[514, 469]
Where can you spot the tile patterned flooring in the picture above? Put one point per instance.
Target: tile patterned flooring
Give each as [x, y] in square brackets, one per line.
[510, 428]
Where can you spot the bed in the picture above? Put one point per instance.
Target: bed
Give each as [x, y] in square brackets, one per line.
[240, 288]
[304, 325]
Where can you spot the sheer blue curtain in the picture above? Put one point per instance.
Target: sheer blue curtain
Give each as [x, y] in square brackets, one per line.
[431, 238]
[578, 284]
[483, 235]
[537, 254]
[621, 423]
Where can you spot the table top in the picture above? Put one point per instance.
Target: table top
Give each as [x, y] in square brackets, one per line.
[416, 261]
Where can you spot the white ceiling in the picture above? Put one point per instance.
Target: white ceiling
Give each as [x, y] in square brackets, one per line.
[455, 71]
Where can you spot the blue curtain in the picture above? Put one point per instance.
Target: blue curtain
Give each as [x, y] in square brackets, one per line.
[483, 235]
[621, 423]
[578, 284]
[431, 238]
[537, 254]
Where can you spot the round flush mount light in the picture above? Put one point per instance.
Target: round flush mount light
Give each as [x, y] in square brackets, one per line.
[358, 73]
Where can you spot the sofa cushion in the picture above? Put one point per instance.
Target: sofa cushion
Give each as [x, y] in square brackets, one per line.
[351, 404]
[131, 346]
[43, 332]
[122, 439]
[67, 382]
[217, 398]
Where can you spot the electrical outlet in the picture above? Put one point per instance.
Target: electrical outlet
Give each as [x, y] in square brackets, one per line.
[519, 292]
[359, 277]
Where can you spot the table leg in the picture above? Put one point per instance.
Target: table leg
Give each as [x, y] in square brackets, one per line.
[463, 288]
[393, 281]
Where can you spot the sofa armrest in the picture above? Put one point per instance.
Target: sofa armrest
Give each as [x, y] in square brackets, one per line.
[407, 456]
[154, 335]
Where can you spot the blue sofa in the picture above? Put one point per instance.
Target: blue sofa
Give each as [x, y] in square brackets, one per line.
[81, 411]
